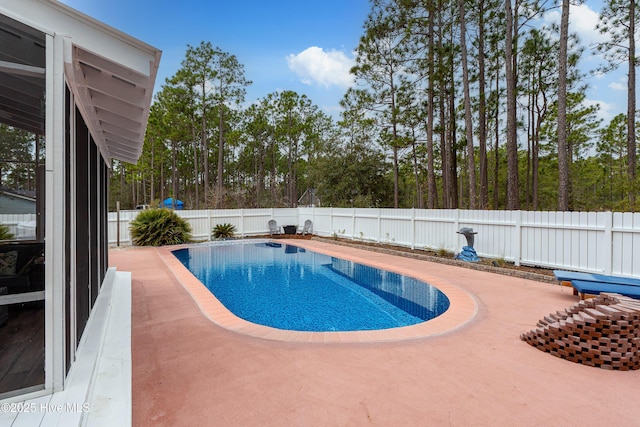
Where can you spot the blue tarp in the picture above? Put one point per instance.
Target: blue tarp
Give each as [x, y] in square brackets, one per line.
[173, 204]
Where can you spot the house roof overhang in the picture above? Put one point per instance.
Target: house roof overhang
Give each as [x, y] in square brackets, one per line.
[110, 73]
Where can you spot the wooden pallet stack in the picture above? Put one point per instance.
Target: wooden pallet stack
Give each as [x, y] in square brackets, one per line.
[603, 331]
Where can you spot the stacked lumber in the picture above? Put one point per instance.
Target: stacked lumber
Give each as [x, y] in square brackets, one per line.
[603, 332]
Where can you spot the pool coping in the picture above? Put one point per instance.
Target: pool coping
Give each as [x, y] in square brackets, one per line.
[462, 309]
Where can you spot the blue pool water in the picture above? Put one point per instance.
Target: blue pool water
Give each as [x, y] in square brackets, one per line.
[287, 287]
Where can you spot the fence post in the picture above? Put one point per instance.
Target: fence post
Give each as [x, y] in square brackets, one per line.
[241, 227]
[456, 224]
[331, 221]
[456, 227]
[117, 223]
[413, 228]
[518, 236]
[273, 211]
[353, 225]
[379, 224]
[313, 216]
[607, 240]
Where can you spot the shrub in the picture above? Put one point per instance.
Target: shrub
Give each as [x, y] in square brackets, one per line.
[5, 234]
[223, 231]
[158, 227]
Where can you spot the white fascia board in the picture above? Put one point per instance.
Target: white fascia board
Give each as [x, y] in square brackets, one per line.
[108, 49]
[53, 17]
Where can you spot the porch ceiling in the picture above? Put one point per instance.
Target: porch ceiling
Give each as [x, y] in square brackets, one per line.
[22, 76]
[110, 74]
[114, 101]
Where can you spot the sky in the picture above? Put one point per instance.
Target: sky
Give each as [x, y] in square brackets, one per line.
[609, 90]
[302, 45]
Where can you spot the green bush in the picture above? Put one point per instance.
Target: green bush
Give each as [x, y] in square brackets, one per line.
[224, 231]
[5, 234]
[158, 227]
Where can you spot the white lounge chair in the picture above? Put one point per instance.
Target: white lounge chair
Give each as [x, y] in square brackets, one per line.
[274, 228]
[307, 228]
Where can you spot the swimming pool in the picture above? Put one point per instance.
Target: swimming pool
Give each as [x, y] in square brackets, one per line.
[287, 287]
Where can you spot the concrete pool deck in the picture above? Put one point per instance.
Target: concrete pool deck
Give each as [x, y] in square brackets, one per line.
[188, 370]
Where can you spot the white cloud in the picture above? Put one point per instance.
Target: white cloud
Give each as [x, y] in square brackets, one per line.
[618, 86]
[606, 111]
[315, 66]
[582, 21]
[334, 110]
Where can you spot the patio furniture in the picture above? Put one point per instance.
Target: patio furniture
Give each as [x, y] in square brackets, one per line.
[307, 228]
[274, 228]
[4, 309]
[17, 263]
[594, 284]
[562, 275]
[595, 288]
[290, 229]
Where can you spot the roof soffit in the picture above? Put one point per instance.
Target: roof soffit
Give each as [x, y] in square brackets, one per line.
[110, 73]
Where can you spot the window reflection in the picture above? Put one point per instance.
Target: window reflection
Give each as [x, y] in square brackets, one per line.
[22, 158]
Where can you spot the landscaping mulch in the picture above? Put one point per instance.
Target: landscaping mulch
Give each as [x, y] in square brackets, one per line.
[491, 265]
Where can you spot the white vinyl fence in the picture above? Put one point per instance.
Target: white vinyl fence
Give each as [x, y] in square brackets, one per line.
[22, 226]
[602, 242]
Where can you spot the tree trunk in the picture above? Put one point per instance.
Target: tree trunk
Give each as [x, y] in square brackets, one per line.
[541, 112]
[152, 190]
[396, 178]
[432, 196]
[196, 172]
[219, 180]
[563, 154]
[536, 162]
[444, 148]
[531, 119]
[453, 165]
[631, 107]
[274, 171]
[513, 202]
[416, 171]
[482, 112]
[174, 171]
[261, 173]
[496, 157]
[444, 153]
[394, 127]
[294, 175]
[468, 119]
[205, 144]
[122, 181]
[162, 182]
